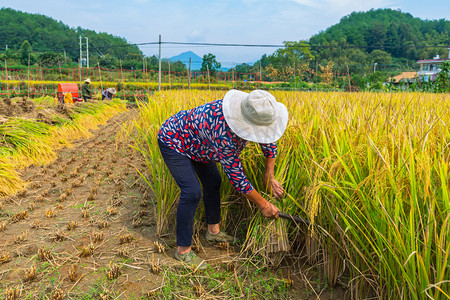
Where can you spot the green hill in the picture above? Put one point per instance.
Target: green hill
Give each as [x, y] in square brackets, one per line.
[49, 38]
[400, 35]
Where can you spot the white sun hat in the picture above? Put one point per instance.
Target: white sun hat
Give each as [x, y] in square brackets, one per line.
[88, 80]
[255, 116]
[112, 91]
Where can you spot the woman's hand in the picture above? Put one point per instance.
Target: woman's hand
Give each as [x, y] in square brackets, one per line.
[273, 186]
[270, 210]
[267, 209]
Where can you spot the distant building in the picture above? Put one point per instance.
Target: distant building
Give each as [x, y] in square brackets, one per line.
[405, 77]
[429, 68]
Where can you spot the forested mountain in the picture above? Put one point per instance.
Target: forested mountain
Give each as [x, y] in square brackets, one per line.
[400, 35]
[46, 35]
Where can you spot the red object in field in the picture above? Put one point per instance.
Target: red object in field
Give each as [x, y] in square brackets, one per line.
[64, 88]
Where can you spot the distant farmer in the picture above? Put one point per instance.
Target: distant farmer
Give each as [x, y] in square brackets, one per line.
[108, 93]
[86, 91]
[192, 141]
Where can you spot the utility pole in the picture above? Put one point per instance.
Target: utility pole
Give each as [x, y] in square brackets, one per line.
[349, 82]
[81, 55]
[209, 82]
[64, 56]
[28, 83]
[260, 73]
[6, 70]
[87, 51]
[159, 75]
[374, 69]
[170, 85]
[189, 74]
[295, 81]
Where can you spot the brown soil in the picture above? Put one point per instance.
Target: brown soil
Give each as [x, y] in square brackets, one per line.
[16, 107]
[94, 189]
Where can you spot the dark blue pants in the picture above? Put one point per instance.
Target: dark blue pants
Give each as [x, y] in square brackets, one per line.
[185, 172]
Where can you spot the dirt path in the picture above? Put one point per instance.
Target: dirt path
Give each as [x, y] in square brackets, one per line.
[79, 214]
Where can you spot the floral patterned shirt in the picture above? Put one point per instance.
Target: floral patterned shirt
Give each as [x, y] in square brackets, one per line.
[203, 135]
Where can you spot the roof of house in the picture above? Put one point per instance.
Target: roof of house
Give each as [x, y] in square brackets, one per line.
[404, 75]
[439, 60]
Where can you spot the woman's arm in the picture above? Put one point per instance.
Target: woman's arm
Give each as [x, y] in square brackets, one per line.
[267, 209]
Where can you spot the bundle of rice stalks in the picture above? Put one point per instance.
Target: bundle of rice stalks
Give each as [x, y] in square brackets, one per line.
[268, 239]
[10, 180]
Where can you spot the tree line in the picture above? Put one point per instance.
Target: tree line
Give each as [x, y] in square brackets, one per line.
[371, 46]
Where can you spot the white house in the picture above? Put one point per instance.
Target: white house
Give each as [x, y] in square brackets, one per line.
[429, 68]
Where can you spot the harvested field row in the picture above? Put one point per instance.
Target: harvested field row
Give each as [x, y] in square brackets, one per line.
[84, 227]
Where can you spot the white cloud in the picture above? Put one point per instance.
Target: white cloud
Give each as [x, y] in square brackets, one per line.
[344, 6]
[196, 36]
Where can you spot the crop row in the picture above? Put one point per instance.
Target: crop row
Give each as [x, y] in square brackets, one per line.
[28, 141]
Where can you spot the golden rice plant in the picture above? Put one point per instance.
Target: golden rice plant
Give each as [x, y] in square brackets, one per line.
[58, 294]
[114, 271]
[36, 224]
[98, 237]
[72, 225]
[123, 252]
[50, 213]
[30, 274]
[4, 257]
[59, 236]
[111, 211]
[371, 169]
[3, 226]
[73, 273]
[159, 247]
[84, 212]
[86, 251]
[125, 238]
[102, 224]
[12, 293]
[155, 266]
[20, 238]
[44, 254]
[19, 216]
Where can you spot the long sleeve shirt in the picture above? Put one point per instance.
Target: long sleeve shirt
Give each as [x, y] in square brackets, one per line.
[86, 90]
[107, 94]
[203, 135]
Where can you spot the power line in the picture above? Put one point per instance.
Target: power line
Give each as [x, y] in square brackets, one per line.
[249, 45]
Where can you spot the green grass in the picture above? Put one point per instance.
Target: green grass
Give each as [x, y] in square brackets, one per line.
[222, 283]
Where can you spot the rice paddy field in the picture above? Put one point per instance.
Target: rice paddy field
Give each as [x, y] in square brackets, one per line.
[88, 207]
[370, 171]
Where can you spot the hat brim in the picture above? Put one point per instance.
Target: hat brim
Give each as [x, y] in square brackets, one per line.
[249, 131]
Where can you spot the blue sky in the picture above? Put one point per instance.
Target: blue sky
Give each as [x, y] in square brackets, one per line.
[216, 21]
